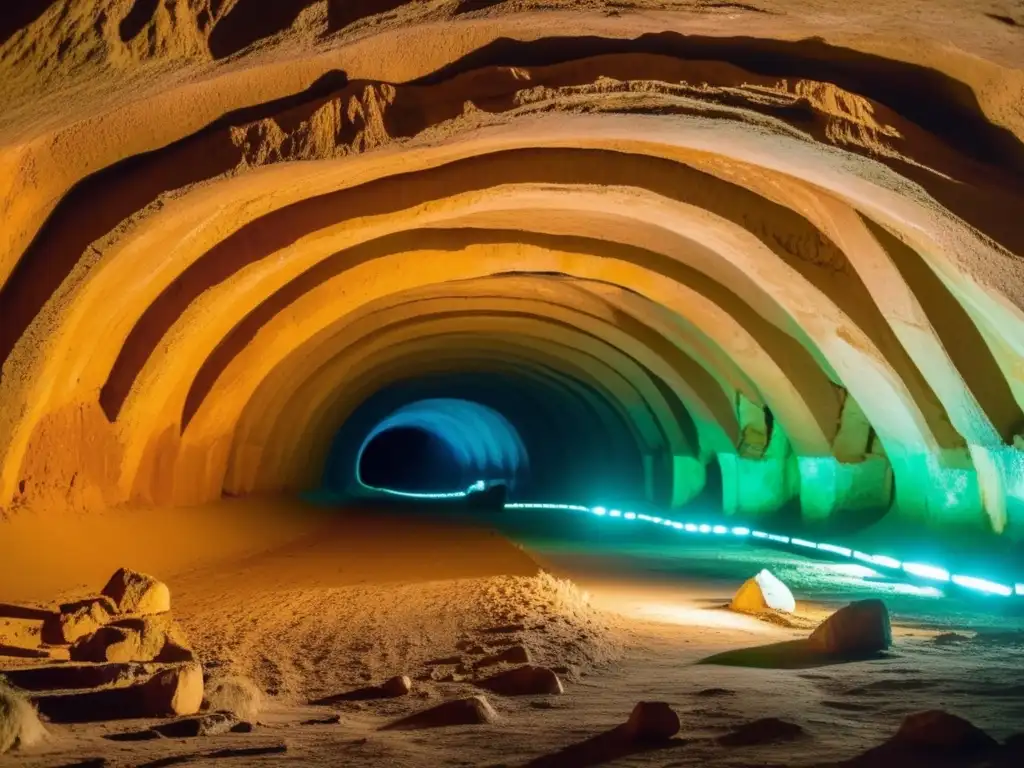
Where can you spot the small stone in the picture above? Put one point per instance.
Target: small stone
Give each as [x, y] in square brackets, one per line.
[767, 730]
[515, 654]
[476, 710]
[861, 628]
[938, 730]
[243, 726]
[527, 680]
[652, 721]
[331, 720]
[137, 593]
[206, 725]
[950, 638]
[397, 686]
[762, 593]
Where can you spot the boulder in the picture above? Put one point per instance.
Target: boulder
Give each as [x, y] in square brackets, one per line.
[20, 726]
[652, 721]
[515, 654]
[238, 695]
[764, 592]
[78, 619]
[137, 593]
[174, 691]
[109, 644]
[528, 680]
[397, 686]
[475, 710]
[145, 638]
[942, 732]
[861, 628]
[767, 730]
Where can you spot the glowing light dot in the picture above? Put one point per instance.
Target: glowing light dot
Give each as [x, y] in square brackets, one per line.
[704, 529]
[759, 535]
[630, 515]
[677, 526]
[615, 513]
[655, 519]
[598, 510]
[691, 527]
[1019, 589]
[780, 539]
[741, 531]
[803, 543]
[926, 571]
[720, 529]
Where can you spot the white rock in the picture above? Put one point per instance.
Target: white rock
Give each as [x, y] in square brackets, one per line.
[764, 592]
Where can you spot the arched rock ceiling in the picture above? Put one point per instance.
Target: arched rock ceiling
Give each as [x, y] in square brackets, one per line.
[227, 226]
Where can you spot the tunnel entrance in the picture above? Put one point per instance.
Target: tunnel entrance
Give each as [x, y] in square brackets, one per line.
[409, 459]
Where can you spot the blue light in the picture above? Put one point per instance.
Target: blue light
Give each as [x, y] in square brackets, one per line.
[926, 571]
[740, 531]
[780, 539]
[759, 535]
[982, 585]
[614, 513]
[691, 527]
[704, 529]
[803, 543]
[630, 515]
[720, 529]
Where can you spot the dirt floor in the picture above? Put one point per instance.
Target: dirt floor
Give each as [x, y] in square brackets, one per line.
[320, 603]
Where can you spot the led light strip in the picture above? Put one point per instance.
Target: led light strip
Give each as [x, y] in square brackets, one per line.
[919, 570]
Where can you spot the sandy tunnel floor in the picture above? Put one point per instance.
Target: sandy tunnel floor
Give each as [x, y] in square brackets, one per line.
[347, 600]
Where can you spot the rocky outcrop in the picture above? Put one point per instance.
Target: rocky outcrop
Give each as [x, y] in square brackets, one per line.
[860, 629]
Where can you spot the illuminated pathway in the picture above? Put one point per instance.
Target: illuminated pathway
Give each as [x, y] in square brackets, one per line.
[933, 575]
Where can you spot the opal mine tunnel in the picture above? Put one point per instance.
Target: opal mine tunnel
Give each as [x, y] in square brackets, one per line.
[755, 266]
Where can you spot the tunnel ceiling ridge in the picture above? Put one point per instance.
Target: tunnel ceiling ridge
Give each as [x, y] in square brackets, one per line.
[752, 241]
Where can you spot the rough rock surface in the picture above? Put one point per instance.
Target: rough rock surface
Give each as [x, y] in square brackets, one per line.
[137, 593]
[81, 618]
[526, 680]
[475, 710]
[238, 695]
[652, 721]
[861, 628]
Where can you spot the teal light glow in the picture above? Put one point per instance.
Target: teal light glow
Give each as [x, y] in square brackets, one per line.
[982, 585]
[844, 551]
[920, 570]
[926, 571]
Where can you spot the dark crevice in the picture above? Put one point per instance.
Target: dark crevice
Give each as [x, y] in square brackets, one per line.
[945, 107]
[138, 17]
[18, 14]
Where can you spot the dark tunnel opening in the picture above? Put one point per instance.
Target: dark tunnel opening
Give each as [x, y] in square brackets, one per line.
[409, 459]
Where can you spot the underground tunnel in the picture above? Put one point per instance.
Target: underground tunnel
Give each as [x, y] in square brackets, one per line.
[385, 374]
